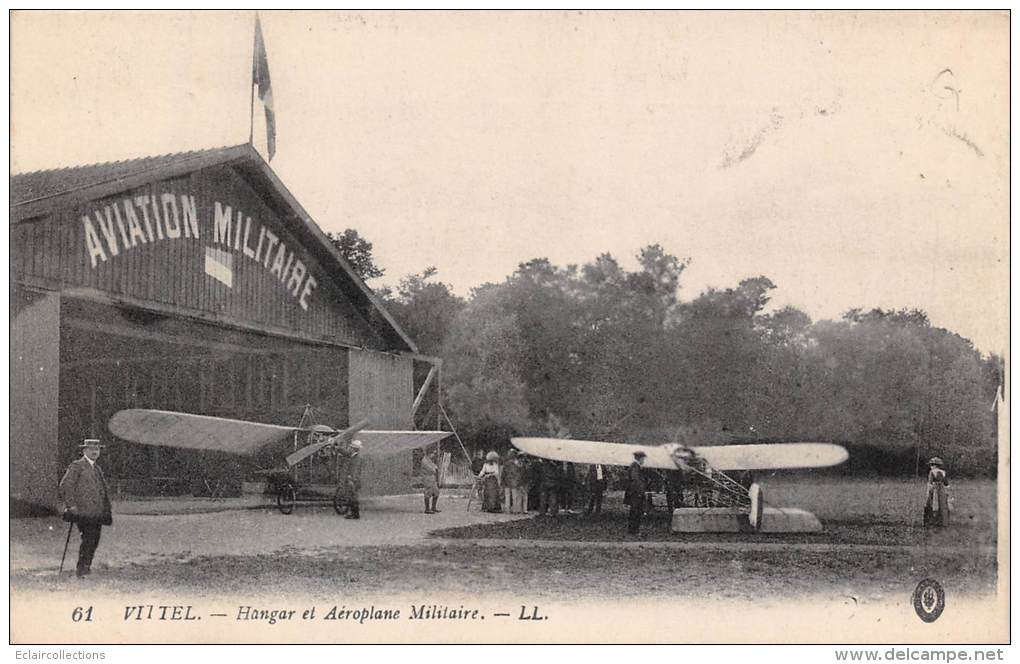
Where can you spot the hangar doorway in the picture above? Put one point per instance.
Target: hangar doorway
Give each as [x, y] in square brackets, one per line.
[114, 357]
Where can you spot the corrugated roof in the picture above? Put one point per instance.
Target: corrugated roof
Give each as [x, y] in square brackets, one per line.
[36, 185]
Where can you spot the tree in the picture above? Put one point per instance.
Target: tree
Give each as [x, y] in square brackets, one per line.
[900, 390]
[619, 342]
[720, 347]
[425, 309]
[482, 368]
[358, 252]
[589, 341]
[782, 373]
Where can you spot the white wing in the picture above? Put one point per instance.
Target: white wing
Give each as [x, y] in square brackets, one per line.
[197, 432]
[204, 432]
[388, 443]
[766, 456]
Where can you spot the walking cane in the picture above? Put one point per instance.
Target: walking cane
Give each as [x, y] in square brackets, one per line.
[66, 542]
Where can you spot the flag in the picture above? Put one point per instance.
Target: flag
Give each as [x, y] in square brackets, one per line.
[260, 79]
[219, 265]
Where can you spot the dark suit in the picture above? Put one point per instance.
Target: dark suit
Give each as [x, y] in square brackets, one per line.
[550, 483]
[86, 499]
[354, 484]
[596, 488]
[674, 489]
[568, 481]
[636, 488]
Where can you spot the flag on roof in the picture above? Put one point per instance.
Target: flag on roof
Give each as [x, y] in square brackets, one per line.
[260, 79]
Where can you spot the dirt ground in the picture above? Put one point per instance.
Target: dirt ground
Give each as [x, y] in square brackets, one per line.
[872, 547]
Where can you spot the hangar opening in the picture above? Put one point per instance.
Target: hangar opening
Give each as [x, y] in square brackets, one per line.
[114, 358]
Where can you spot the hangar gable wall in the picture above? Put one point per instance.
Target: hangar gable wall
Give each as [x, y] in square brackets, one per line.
[204, 243]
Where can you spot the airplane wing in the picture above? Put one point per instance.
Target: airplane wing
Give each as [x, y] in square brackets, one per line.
[197, 432]
[203, 432]
[773, 456]
[589, 451]
[766, 456]
[388, 443]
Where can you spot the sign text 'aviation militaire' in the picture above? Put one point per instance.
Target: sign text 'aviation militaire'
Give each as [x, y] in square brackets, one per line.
[145, 219]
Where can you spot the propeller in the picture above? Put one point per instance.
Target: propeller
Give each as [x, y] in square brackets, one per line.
[308, 450]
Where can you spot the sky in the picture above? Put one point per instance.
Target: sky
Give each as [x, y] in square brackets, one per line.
[857, 160]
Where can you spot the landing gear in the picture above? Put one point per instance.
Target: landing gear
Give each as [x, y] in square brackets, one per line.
[285, 498]
[757, 497]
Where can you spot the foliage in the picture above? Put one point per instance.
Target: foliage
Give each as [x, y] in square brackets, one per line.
[484, 387]
[358, 253]
[425, 309]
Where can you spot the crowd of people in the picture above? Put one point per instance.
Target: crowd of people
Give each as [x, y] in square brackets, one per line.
[517, 483]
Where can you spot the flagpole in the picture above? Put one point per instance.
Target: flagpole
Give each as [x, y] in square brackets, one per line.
[251, 86]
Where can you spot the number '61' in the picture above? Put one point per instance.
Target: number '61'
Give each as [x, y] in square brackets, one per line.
[80, 614]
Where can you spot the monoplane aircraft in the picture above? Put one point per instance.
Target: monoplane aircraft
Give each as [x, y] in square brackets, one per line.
[711, 464]
[318, 442]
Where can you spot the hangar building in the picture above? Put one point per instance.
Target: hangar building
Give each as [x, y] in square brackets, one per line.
[192, 282]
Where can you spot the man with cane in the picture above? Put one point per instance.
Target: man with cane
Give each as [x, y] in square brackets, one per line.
[86, 502]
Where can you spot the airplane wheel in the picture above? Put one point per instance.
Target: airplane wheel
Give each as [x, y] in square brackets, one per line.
[340, 504]
[285, 499]
[757, 505]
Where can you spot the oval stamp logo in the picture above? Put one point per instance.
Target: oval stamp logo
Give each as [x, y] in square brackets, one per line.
[929, 600]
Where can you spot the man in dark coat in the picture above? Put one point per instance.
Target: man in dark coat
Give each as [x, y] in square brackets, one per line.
[514, 484]
[532, 480]
[568, 482]
[596, 482]
[636, 487]
[86, 501]
[353, 468]
[550, 487]
[674, 489]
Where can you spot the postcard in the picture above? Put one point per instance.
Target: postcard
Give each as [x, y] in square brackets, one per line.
[571, 327]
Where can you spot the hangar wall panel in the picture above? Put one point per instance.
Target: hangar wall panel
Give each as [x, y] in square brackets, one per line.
[381, 390]
[34, 369]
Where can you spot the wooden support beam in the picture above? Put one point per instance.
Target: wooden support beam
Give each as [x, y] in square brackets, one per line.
[418, 357]
[423, 390]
